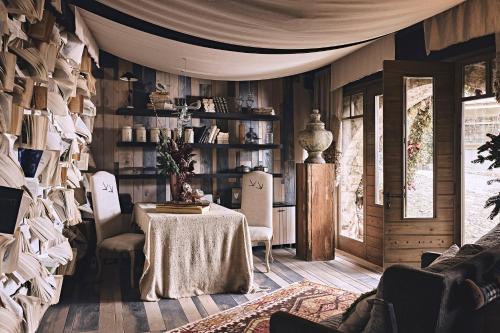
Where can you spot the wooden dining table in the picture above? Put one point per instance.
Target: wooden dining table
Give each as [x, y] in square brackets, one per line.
[194, 254]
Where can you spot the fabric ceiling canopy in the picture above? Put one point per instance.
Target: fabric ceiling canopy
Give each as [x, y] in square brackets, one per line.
[257, 39]
[283, 24]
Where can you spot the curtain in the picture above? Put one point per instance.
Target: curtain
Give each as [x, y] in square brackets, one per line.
[321, 97]
[363, 62]
[471, 19]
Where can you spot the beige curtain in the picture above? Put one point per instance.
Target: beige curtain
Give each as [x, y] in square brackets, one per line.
[471, 19]
[363, 62]
[321, 98]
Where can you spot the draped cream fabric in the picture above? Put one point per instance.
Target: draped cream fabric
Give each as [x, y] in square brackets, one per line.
[84, 34]
[283, 24]
[471, 19]
[273, 24]
[363, 62]
[201, 62]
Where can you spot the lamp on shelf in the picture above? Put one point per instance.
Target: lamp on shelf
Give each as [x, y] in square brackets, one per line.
[129, 77]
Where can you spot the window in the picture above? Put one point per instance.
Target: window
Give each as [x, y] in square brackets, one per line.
[379, 150]
[475, 79]
[419, 148]
[480, 116]
[352, 186]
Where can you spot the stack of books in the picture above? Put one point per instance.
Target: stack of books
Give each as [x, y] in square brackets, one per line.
[223, 138]
[264, 111]
[183, 207]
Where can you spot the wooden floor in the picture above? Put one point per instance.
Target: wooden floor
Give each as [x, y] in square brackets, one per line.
[112, 306]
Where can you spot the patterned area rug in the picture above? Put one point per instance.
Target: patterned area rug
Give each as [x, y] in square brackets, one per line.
[305, 299]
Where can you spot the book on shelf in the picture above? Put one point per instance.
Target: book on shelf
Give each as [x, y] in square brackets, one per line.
[8, 70]
[11, 115]
[33, 9]
[23, 92]
[12, 207]
[11, 173]
[29, 159]
[34, 130]
[30, 62]
[223, 138]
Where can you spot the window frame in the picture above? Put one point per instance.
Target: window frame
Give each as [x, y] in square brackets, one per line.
[434, 157]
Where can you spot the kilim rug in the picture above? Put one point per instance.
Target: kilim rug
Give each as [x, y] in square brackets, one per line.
[306, 299]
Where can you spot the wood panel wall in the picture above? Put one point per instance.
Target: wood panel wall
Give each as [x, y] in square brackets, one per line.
[406, 239]
[374, 214]
[112, 94]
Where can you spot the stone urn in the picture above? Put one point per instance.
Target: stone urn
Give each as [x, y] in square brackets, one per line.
[315, 139]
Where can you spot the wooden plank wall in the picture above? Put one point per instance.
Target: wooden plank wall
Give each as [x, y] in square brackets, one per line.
[406, 239]
[374, 218]
[112, 94]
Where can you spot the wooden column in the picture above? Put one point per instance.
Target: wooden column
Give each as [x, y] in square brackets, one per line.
[315, 206]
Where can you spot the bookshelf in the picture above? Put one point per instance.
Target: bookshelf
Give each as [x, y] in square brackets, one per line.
[244, 146]
[217, 176]
[198, 114]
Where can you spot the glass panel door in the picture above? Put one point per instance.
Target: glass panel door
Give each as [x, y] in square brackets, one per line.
[419, 148]
[379, 149]
[352, 168]
[480, 117]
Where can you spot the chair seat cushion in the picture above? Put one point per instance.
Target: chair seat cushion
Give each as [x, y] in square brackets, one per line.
[260, 233]
[123, 242]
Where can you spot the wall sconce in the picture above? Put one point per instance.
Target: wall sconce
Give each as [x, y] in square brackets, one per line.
[129, 77]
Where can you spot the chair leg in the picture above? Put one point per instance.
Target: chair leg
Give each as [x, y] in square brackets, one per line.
[268, 252]
[99, 263]
[132, 268]
[271, 251]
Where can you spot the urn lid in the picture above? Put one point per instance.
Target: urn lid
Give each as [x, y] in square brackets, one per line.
[314, 121]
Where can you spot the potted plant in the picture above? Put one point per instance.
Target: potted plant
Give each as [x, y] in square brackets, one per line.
[492, 148]
[175, 159]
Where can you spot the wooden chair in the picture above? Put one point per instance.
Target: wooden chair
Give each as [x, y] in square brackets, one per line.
[257, 206]
[112, 231]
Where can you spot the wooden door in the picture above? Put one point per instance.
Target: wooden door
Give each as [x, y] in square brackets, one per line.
[367, 244]
[419, 173]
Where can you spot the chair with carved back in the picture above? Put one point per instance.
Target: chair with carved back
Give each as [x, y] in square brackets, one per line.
[257, 206]
[113, 232]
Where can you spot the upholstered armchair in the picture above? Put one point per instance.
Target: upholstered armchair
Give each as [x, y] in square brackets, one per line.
[112, 231]
[257, 206]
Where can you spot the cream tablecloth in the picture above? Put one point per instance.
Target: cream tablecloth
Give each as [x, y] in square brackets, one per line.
[194, 254]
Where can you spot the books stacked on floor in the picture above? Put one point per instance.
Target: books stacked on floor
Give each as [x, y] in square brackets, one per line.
[264, 111]
[183, 207]
[220, 105]
[223, 138]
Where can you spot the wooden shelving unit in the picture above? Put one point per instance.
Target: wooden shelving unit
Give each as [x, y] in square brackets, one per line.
[140, 173]
[198, 114]
[243, 146]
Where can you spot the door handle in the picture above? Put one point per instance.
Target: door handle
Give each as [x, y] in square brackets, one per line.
[389, 195]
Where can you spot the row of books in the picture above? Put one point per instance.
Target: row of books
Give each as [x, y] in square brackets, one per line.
[205, 134]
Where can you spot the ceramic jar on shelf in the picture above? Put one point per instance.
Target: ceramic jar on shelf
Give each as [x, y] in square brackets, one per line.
[127, 133]
[140, 133]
